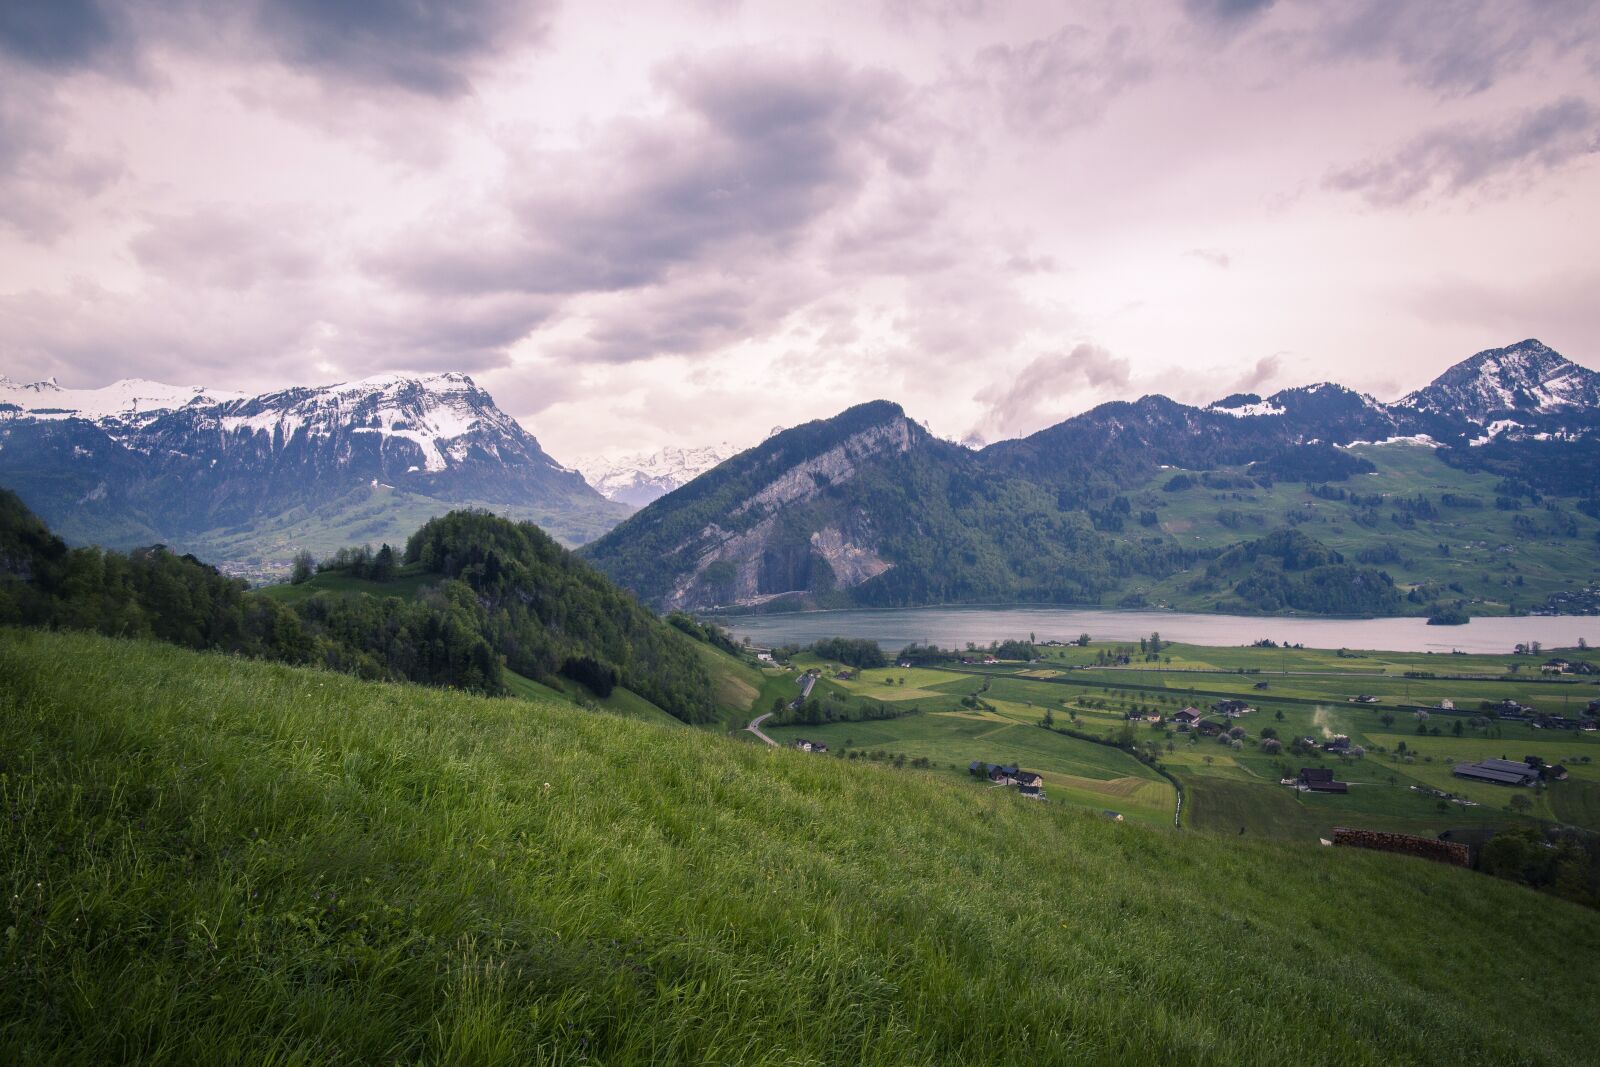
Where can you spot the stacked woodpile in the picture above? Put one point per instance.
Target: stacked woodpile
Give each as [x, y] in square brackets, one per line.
[1422, 847]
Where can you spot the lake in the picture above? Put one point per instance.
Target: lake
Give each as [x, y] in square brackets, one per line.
[954, 627]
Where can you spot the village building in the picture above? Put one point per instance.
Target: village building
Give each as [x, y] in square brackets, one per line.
[1319, 780]
[1498, 772]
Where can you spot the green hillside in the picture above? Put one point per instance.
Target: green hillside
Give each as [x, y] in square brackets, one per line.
[215, 860]
[1501, 550]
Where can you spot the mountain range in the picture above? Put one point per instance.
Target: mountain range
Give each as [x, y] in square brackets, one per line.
[246, 480]
[643, 477]
[864, 508]
[868, 509]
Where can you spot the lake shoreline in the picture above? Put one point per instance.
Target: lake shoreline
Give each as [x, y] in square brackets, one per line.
[956, 625]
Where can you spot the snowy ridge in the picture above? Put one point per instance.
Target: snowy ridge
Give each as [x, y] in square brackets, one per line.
[130, 400]
[1525, 377]
[642, 477]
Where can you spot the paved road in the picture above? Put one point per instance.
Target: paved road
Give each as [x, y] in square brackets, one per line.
[755, 728]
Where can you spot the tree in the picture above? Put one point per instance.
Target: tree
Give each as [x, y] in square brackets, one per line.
[1049, 718]
[1278, 715]
[1520, 803]
[1387, 718]
[303, 568]
[1268, 733]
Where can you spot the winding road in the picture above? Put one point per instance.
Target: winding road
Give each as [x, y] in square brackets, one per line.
[755, 728]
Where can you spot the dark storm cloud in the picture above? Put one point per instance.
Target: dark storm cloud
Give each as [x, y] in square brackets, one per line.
[1068, 79]
[1226, 11]
[756, 151]
[423, 46]
[426, 46]
[54, 33]
[1457, 46]
[1457, 159]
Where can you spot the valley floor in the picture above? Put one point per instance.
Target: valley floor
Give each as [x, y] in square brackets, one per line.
[215, 860]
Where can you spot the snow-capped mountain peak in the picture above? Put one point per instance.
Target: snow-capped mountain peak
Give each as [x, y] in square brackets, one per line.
[639, 478]
[1528, 377]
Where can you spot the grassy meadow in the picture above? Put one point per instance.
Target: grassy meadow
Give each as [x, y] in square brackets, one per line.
[216, 860]
[1298, 693]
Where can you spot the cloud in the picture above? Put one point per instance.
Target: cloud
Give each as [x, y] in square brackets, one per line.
[45, 175]
[1068, 79]
[1460, 47]
[1460, 158]
[1266, 370]
[55, 34]
[226, 247]
[1050, 388]
[425, 46]
[428, 47]
[703, 214]
[1212, 256]
[1226, 12]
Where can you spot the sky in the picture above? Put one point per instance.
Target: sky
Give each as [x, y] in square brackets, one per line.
[649, 224]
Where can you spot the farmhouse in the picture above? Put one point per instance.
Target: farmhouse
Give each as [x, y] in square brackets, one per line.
[1556, 666]
[1319, 780]
[1498, 771]
[1340, 744]
[1364, 698]
[1187, 717]
[1030, 779]
[810, 746]
[1232, 708]
[1033, 791]
[1208, 728]
[1556, 773]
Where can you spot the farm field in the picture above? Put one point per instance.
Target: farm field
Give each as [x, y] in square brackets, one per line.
[1394, 781]
[265, 859]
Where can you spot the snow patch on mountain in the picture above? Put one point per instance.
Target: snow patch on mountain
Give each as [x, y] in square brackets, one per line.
[1525, 377]
[639, 478]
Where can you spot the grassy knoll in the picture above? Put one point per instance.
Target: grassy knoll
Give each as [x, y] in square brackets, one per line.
[215, 860]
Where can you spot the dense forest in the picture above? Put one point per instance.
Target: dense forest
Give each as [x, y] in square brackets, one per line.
[154, 593]
[1287, 569]
[506, 594]
[549, 613]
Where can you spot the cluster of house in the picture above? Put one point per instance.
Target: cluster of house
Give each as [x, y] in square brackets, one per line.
[1510, 772]
[1510, 711]
[1191, 718]
[1028, 783]
[1562, 666]
[810, 746]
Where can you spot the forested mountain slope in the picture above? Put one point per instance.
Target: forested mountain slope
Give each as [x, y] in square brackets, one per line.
[481, 594]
